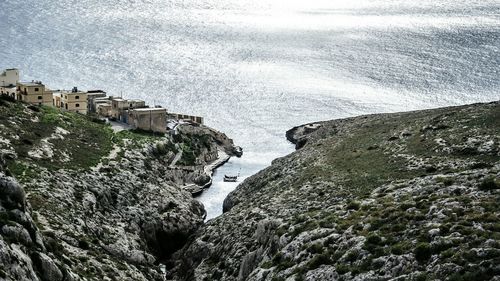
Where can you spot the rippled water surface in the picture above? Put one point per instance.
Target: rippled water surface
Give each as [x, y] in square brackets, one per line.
[256, 68]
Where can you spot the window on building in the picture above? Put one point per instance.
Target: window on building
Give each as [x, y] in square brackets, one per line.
[40, 97]
[36, 89]
[77, 97]
[77, 105]
[66, 106]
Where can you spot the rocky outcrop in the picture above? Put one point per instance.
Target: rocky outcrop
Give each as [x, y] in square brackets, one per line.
[93, 204]
[405, 196]
[22, 249]
[299, 135]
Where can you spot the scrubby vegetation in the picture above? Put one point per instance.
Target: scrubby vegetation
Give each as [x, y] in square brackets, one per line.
[46, 137]
[49, 138]
[409, 195]
[104, 205]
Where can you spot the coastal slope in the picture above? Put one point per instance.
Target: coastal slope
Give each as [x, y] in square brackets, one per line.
[79, 201]
[410, 196]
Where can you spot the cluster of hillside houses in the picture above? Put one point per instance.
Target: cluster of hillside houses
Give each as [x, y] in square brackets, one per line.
[133, 112]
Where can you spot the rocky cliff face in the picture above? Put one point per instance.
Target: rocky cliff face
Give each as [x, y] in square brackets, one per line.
[406, 196]
[92, 204]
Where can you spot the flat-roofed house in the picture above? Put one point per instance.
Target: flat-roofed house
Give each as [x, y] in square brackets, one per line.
[34, 92]
[148, 119]
[104, 109]
[73, 101]
[93, 95]
[101, 102]
[8, 81]
[120, 106]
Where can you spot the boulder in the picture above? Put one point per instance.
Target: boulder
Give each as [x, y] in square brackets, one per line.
[48, 269]
[12, 195]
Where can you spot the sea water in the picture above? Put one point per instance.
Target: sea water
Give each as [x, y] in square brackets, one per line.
[256, 68]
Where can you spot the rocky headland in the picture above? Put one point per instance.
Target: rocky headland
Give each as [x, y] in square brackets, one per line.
[81, 202]
[404, 196]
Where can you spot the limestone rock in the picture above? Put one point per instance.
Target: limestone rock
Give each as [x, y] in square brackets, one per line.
[405, 196]
[48, 269]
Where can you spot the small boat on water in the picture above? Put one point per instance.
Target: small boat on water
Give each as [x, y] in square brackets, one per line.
[230, 178]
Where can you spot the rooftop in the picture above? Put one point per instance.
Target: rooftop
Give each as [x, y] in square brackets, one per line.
[72, 93]
[96, 92]
[149, 109]
[99, 94]
[102, 99]
[31, 84]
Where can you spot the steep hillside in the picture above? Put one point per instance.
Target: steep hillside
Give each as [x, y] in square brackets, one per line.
[92, 204]
[410, 196]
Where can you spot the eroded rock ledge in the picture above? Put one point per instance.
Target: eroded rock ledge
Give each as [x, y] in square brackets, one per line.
[405, 196]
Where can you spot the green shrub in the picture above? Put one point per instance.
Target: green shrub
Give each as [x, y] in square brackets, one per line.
[316, 248]
[319, 260]
[422, 277]
[489, 183]
[267, 264]
[376, 224]
[475, 273]
[352, 255]
[445, 180]
[353, 205]
[423, 252]
[160, 149]
[397, 249]
[373, 239]
[281, 262]
[342, 269]
[447, 254]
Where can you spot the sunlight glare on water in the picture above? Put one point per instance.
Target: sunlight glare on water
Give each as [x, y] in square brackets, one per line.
[256, 68]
